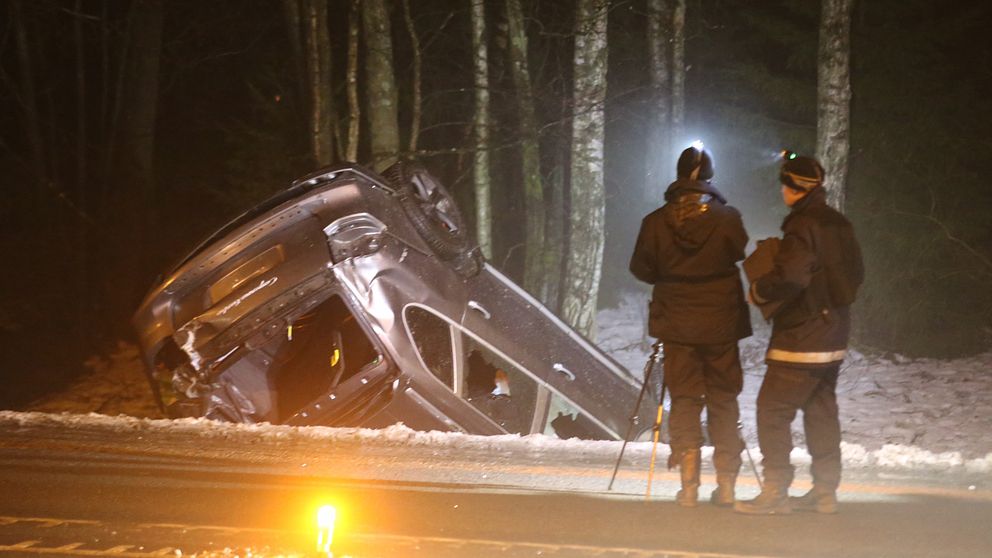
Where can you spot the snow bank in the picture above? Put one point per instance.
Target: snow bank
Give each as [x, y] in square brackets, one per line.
[890, 457]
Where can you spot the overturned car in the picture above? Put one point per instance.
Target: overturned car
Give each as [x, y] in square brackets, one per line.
[354, 299]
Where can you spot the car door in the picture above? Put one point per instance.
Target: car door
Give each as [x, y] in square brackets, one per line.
[438, 343]
[579, 379]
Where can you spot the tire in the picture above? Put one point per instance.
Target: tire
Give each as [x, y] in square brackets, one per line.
[435, 216]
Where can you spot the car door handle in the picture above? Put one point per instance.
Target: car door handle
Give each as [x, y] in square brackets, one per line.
[560, 368]
[480, 309]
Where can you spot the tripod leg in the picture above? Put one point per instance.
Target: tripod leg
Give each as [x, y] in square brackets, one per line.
[648, 369]
[657, 434]
[747, 451]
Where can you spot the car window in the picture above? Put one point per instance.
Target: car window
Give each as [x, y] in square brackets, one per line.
[432, 337]
[499, 389]
[320, 350]
[565, 421]
[493, 385]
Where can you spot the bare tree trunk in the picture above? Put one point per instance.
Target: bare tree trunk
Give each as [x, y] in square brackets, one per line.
[554, 235]
[535, 273]
[110, 105]
[80, 235]
[354, 111]
[131, 166]
[480, 65]
[588, 199]
[659, 154]
[678, 72]
[103, 123]
[834, 97]
[28, 95]
[318, 45]
[294, 32]
[139, 105]
[384, 133]
[77, 31]
[417, 65]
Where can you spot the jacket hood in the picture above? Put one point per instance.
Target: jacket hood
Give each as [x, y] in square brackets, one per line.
[684, 186]
[687, 211]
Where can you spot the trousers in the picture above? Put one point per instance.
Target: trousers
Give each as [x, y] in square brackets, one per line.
[785, 391]
[710, 377]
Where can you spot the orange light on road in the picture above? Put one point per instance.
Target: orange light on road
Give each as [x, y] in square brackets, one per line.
[326, 518]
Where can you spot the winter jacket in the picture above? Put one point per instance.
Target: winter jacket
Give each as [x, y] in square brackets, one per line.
[688, 249]
[817, 272]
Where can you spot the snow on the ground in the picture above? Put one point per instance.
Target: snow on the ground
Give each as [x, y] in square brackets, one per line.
[895, 413]
[887, 457]
[933, 410]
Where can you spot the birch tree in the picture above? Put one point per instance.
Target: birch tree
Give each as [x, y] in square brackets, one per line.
[380, 79]
[318, 49]
[535, 273]
[415, 102]
[659, 154]
[480, 67]
[834, 97]
[678, 71]
[584, 261]
[354, 110]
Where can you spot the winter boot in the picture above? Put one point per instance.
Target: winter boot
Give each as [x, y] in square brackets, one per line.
[773, 500]
[816, 500]
[723, 494]
[689, 467]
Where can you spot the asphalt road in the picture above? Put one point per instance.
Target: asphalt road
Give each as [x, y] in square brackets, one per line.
[93, 493]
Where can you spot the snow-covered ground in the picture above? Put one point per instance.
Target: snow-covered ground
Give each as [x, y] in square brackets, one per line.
[924, 409]
[895, 412]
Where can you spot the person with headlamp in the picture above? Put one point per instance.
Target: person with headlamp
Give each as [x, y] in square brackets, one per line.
[688, 251]
[813, 280]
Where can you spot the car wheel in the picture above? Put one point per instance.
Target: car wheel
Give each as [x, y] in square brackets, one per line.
[435, 215]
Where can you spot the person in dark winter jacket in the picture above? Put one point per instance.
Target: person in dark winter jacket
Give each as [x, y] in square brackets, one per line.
[688, 250]
[816, 275]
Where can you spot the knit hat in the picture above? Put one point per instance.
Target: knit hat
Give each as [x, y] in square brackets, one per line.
[801, 174]
[695, 164]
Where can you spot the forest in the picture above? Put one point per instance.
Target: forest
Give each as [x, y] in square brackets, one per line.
[131, 129]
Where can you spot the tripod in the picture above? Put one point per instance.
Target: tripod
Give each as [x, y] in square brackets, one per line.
[648, 370]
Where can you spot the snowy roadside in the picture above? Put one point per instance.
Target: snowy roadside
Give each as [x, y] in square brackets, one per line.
[936, 410]
[924, 415]
[535, 461]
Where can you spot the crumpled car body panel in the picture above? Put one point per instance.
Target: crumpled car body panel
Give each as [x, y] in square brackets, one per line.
[325, 306]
